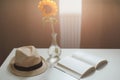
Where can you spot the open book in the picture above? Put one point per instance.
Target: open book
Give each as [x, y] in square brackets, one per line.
[80, 65]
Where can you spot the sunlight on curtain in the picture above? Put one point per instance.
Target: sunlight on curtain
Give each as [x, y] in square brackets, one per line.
[70, 23]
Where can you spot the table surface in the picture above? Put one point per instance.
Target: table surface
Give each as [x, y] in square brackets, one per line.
[109, 72]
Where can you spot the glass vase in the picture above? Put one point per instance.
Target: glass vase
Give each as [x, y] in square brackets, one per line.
[54, 50]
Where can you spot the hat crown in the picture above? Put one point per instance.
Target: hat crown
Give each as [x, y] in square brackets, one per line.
[27, 56]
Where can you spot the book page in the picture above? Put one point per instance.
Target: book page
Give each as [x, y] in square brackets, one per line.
[97, 62]
[75, 66]
[68, 71]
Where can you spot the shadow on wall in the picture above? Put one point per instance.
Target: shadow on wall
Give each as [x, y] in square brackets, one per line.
[21, 25]
[100, 24]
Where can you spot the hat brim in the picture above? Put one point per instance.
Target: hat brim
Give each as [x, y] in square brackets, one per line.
[35, 72]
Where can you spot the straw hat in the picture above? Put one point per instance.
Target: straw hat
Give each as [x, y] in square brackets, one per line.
[27, 62]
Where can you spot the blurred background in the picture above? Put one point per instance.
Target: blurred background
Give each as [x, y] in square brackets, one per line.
[82, 24]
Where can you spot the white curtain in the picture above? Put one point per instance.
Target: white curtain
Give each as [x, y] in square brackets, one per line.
[70, 23]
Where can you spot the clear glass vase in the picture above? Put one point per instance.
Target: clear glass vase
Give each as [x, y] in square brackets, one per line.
[54, 50]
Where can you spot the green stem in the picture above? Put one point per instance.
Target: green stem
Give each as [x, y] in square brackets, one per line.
[52, 26]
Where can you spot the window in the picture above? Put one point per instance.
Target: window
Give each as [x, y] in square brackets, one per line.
[70, 23]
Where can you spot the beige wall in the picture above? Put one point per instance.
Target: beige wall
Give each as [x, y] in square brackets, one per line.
[20, 24]
[100, 24]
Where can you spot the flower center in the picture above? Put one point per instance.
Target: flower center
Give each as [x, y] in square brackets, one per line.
[47, 8]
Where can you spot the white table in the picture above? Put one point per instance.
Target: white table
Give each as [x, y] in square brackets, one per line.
[110, 72]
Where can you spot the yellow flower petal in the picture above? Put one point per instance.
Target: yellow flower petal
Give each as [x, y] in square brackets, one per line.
[48, 7]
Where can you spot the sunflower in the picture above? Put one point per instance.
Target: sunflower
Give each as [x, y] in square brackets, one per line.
[48, 8]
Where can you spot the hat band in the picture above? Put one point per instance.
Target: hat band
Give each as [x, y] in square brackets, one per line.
[20, 68]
